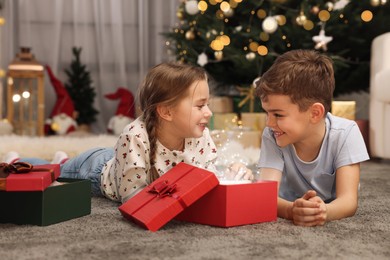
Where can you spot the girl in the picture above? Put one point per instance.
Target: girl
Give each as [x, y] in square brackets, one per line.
[172, 129]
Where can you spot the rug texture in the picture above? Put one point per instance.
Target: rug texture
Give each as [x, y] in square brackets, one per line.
[105, 234]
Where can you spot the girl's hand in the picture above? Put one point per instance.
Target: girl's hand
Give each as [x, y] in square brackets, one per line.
[238, 171]
[310, 210]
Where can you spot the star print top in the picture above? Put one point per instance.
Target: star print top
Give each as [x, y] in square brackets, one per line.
[126, 174]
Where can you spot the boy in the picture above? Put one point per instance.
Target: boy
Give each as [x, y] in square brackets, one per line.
[314, 156]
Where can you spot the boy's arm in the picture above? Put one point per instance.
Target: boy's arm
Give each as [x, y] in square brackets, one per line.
[284, 206]
[346, 202]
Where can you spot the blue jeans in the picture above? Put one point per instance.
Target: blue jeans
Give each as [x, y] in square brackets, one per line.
[87, 165]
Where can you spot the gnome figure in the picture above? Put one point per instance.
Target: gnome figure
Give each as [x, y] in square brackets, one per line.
[125, 112]
[62, 118]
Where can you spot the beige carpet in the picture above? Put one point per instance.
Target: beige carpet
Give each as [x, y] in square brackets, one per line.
[105, 234]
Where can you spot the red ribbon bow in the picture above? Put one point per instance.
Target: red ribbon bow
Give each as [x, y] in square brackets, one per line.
[18, 167]
[163, 189]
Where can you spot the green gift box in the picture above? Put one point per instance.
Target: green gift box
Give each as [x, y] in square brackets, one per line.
[57, 203]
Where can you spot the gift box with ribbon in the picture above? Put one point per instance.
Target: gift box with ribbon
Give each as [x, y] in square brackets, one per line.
[169, 195]
[63, 200]
[25, 177]
[232, 204]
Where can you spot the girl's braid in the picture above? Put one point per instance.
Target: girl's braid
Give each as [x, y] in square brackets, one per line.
[151, 120]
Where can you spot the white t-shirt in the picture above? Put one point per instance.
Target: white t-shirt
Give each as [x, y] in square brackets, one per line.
[126, 174]
[343, 145]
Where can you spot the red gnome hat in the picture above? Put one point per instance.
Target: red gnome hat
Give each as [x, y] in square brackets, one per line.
[126, 103]
[64, 103]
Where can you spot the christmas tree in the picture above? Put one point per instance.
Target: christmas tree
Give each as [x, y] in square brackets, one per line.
[79, 87]
[238, 40]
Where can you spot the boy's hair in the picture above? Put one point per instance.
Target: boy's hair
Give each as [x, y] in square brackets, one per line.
[305, 76]
[168, 84]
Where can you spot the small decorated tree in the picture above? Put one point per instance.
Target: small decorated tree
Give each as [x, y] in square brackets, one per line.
[80, 89]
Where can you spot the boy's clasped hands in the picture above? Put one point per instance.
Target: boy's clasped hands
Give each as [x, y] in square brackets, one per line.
[309, 210]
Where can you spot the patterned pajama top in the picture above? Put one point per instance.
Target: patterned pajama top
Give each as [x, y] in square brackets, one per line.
[127, 173]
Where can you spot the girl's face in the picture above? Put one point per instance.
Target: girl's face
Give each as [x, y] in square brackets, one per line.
[191, 115]
[289, 125]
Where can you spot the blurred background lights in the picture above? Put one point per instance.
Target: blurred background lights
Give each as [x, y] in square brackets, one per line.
[202, 6]
[224, 6]
[324, 15]
[16, 98]
[366, 16]
[262, 50]
[270, 24]
[26, 94]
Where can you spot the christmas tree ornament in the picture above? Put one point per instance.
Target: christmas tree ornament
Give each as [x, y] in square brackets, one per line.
[301, 18]
[270, 25]
[191, 7]
[202, 59]
[375, 2]
[62, 117]
[250, 56]
[329, 6]
[125, 112]
[229, 12]
[190, 35]
[218, 55]
[179, 13]
[340, 4]
[322, 40]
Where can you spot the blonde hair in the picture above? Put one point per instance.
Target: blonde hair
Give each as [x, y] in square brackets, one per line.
[305, 76]
[166, 83]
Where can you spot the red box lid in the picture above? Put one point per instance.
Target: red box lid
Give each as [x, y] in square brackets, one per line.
[152, 211]
[37, 180]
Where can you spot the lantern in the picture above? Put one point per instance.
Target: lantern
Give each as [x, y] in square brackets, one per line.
[25, 94]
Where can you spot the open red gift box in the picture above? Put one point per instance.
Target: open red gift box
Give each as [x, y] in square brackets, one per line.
[235, 205]
[186, 185]
[38, 179]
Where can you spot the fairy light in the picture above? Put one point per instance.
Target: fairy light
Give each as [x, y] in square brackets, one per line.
[309, 25]
[253, 46]
[281, 19]
[262, 50]
[26, 94]
[366, 16]
[261, 13]
[324, 15]
[202, 6]
[225, 40]
[224, 6]
[16, 98]
[264, 36]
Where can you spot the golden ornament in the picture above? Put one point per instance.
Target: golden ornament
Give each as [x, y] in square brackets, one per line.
[218, 55]
[190, 35]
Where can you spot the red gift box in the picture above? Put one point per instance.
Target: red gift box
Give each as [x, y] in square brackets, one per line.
[167, 196]
[235, 205]
[38, 179]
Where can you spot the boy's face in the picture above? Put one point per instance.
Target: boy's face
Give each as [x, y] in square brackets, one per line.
[289, 125]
